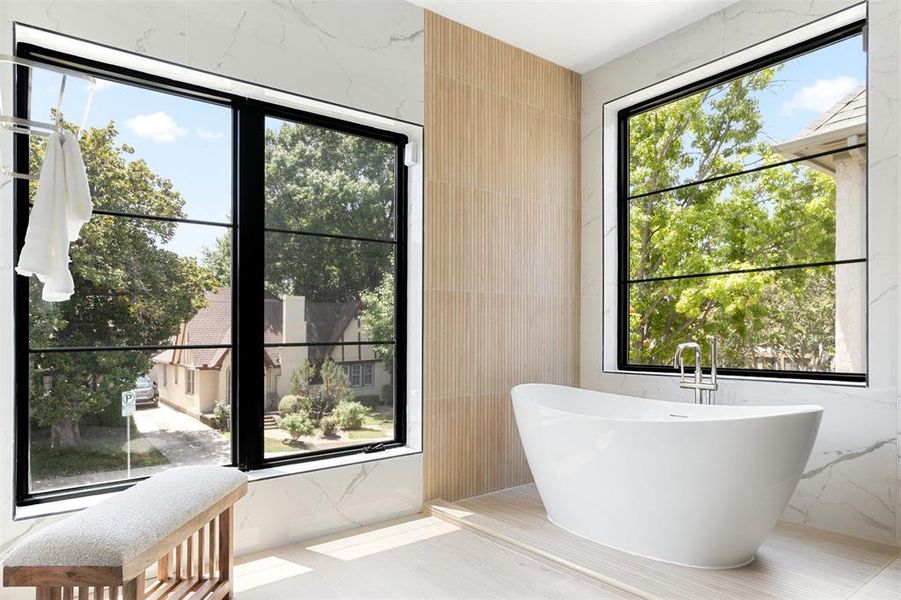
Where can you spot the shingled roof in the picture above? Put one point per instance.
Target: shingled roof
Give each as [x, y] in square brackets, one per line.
[326, 322]
[850, 110]
[843, 124]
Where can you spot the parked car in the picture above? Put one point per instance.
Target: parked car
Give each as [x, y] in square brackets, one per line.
[146, 392]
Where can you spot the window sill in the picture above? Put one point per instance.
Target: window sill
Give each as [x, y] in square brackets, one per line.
[69, 505]
[777, 380]
[328, 463]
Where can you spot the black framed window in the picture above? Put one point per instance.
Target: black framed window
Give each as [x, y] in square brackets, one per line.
[240, 253]
[742, 215]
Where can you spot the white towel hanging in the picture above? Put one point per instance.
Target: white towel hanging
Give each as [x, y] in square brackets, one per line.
[62, 205]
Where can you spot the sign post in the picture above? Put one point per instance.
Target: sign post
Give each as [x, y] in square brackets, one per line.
[128, 409]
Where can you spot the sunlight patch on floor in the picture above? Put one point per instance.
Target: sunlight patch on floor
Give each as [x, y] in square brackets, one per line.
[384, 538]
[264, 571]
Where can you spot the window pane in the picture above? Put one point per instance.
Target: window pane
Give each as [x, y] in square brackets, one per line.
[760, 319]
[322, 181]
[136, 282]
[146, 152]
[775, 113]
[328, 290]
[311, 404]
[78, 435]
[781, 216]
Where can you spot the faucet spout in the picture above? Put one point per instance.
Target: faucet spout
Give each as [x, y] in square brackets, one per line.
[704, 390]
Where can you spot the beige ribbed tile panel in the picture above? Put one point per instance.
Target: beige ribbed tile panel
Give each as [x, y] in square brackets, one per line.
[502, 249]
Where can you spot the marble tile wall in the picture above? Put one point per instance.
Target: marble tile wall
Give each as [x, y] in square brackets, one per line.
[372, 62]
[851, 483]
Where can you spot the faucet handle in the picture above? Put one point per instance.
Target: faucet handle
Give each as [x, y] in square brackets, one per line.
[713, 359]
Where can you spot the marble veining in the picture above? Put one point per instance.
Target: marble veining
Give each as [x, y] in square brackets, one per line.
[852, 483]
[374, 63]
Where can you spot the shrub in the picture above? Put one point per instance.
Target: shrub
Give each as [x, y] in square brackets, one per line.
[387, 393]
[301, 378]
[292, 404]
[297, 424]
[334, 390]
[329, 425]
[371, 400]
[222, 416]
[351, 415]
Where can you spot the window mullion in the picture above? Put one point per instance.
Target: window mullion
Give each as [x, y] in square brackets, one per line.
[21, 320]
[247, 286]
[400, 297]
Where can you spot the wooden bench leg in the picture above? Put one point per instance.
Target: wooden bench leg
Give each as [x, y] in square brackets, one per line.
[134, 588]
[47, 593]
[226, 551]
[162, 567]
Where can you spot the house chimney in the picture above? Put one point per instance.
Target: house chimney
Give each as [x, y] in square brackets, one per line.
[294, 330]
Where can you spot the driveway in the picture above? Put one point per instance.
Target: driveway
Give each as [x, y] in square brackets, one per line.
[182, 439]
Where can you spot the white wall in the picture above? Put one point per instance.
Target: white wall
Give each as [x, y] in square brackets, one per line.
[851, 483]
[363, 54]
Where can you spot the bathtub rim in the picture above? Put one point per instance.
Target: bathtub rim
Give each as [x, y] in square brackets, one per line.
[516, 393]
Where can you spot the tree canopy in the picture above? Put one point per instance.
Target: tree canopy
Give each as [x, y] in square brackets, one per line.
[130, 290]
[778, 216]
[323, 181]
[378, 316]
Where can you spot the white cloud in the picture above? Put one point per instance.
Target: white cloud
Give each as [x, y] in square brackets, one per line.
[206, 134]
[157, 126]
[819, 96]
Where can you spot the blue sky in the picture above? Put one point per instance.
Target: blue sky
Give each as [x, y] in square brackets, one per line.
[801, 91]
[808, 85]
[189, 141]
[184, 140]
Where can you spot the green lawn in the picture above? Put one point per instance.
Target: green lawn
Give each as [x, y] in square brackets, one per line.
[47, 462]
[365, 434]
[270, 445]
[383, 419]
[101, 449]
[378, 425]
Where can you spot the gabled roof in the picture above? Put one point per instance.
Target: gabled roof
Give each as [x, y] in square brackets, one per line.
[325, 322]
[208, 326]
[850, 110]
[843, 124]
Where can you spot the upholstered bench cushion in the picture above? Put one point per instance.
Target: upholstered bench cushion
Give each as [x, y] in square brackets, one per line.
[121, 527]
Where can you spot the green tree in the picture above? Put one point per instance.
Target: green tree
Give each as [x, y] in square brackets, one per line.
[217, 259]
[301, 378]
[335, 389]
[322, 181]
[129, 289]
[779, 216]
[378, 316]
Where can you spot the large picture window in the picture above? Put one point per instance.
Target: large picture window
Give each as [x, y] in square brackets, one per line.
[742, 215]
[233, 286]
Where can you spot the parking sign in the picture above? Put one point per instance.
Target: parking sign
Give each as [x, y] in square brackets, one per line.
[128, 403]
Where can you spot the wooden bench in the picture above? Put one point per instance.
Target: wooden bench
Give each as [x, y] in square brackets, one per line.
[181, 520]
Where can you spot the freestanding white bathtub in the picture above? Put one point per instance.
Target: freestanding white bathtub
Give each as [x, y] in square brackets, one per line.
[689, 484]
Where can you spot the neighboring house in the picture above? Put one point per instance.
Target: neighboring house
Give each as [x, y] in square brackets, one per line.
[843, 125]
[193, 381]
